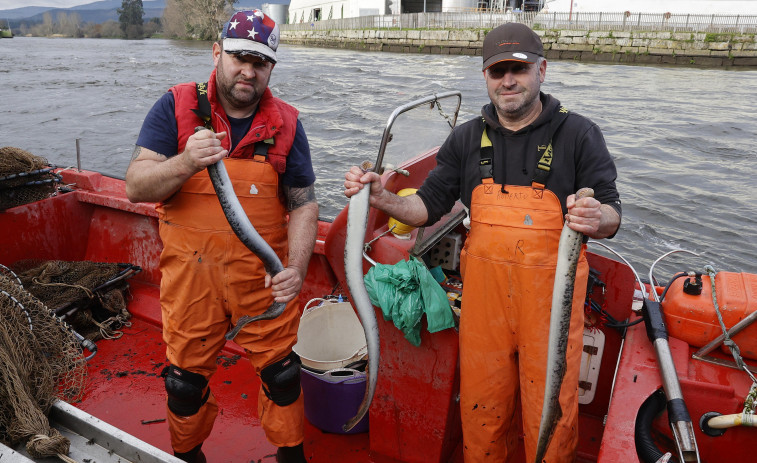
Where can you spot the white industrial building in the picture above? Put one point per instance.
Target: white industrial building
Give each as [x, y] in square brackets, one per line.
[742, 7]
[315, 10]
[301, 11]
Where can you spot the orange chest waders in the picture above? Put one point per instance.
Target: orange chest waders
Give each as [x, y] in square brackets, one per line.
[508, 266]
[210, 279]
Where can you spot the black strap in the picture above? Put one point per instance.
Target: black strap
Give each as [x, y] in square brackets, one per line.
[486, 155]
[543, 167]
[261, 149]
[203, 105]
[203, 111]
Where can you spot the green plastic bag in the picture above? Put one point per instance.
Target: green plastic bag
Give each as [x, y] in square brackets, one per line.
[405, 291]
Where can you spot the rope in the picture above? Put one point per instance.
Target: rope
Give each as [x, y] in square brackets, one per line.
[41, 445]
[109, 333]
[367, 246]
[751, 400]
[444, 115]
[727, 341]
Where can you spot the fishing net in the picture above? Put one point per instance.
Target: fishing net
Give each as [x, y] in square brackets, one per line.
[24, 178]
[40, 360]
[40, 354]
[91, 296]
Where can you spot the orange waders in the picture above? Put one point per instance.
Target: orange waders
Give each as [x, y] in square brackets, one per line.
[508, 267]
[210, 279]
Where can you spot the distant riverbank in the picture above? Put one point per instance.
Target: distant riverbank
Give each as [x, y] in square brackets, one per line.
[674, 48]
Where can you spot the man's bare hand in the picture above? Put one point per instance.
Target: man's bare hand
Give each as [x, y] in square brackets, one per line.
[203, 149]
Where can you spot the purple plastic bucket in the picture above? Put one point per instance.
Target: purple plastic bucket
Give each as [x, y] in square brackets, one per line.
[333, 397]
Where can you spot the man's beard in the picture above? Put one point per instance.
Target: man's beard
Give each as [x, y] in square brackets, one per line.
[519, 107]
[236, 97]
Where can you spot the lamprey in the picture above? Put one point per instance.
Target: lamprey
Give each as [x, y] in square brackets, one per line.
[568, 253]
[357, 218]
[245, 231]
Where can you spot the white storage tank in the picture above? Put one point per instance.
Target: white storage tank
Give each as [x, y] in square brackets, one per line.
[276, 11]
[458, 6]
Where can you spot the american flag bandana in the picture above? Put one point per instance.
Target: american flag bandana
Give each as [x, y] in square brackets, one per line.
[251, 32]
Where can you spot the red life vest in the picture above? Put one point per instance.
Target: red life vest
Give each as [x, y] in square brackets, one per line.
[274, 120]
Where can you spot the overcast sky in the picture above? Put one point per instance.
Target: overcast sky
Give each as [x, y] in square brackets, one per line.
[10, 4]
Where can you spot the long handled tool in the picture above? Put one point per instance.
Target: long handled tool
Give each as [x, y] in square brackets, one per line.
[678, 414]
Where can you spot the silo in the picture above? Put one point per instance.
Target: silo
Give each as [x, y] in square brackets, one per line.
[458, 6]
[276, 11]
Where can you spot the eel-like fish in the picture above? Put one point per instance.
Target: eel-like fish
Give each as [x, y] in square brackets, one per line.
[559, 325]
[357, 217]
[247, 234]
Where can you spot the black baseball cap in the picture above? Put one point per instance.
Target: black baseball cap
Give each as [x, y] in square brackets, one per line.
[512, 42]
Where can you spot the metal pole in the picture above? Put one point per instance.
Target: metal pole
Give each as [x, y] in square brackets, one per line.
[78, 155]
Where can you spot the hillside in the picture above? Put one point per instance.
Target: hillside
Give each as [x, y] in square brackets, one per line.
[96, 12]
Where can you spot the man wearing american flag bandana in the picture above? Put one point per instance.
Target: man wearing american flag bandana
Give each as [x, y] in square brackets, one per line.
[209, 278]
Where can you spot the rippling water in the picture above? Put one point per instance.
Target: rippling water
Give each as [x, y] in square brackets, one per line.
[684, 139]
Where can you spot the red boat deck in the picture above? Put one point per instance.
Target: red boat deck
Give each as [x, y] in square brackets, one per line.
[125, 389]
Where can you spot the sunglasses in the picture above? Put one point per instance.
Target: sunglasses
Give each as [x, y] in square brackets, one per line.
[498, 71]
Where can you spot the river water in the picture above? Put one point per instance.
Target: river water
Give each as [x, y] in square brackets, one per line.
[684, 139]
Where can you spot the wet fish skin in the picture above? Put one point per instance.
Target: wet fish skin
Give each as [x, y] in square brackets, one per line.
[250, 237]
[569, 250]
[357, 217]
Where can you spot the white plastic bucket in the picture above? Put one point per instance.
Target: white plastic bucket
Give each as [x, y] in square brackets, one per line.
[330, 336]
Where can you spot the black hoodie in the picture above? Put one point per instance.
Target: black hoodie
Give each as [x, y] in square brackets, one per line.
[580, 159]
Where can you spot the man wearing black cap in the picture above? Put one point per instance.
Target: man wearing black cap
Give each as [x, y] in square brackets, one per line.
[516, 168]
[209, 278]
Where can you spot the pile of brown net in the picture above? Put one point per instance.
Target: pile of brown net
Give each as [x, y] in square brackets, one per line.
[90, 296]
[40, 354]
[40, 360]
[24, 178]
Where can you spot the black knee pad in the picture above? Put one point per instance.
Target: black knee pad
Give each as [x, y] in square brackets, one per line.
[281, 380]
[185, 390]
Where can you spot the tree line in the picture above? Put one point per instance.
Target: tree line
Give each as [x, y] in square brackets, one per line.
[182, 19]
